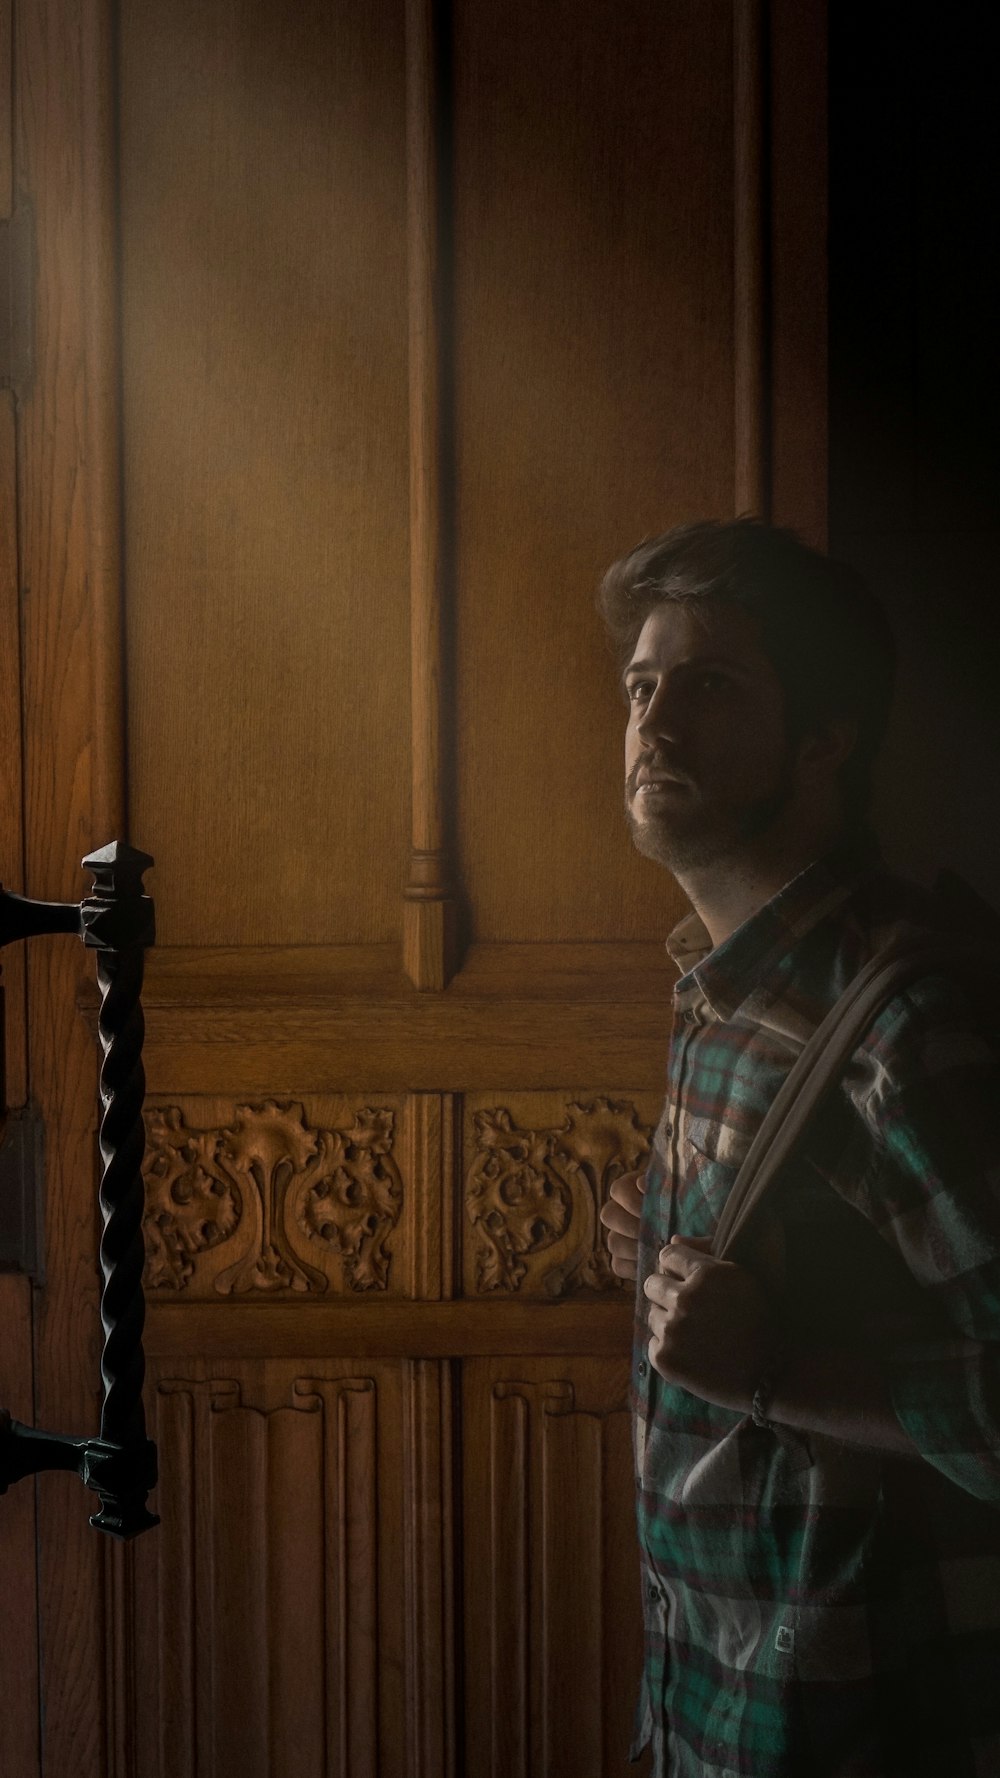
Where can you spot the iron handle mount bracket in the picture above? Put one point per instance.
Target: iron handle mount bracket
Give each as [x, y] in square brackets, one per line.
[117, 921]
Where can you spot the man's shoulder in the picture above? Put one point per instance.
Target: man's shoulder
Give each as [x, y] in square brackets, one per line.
[947, 1017]
[943, 1028]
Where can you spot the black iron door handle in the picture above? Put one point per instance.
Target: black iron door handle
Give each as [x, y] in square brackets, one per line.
[117, 920]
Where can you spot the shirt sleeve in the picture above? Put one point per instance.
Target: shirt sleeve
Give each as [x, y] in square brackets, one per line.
[934, 1195]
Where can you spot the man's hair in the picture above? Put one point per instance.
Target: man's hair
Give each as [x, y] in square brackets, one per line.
[819, 623]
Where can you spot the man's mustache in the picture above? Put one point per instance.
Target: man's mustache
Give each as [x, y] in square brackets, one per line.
[655, 767]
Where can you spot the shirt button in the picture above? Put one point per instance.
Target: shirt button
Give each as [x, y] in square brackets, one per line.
[690, 1016]
[642, 1367]
[654, 1595]
[668, 1128]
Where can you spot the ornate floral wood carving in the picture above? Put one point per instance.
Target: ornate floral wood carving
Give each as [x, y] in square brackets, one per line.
[270, 1202]
[532, 1195]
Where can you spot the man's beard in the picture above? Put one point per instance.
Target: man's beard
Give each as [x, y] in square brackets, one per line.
[686, 839]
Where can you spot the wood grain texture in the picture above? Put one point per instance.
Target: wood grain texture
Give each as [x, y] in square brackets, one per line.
[14, 1087]
[271, 1603]
[20, 1748]
[6, 109]
[459, 1043]
[205, 975]
[387, 1329]
[429, 925]
[297, 1612]
[19, 1719]
[432, 1552]
[554, 1624]
[292, 1020]
[594, 380]
[68, 530]
[265, 425]
[751, 487]
[121, 1659]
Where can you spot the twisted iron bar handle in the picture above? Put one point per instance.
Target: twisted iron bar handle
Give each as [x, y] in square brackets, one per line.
[116, 920]
[121, 1028]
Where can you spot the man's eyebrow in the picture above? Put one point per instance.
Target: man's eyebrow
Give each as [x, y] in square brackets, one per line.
[698, 663]
[637, 667]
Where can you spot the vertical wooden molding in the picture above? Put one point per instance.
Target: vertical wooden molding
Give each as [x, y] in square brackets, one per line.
[352, 1605]
[429, 925]
[119, 1611]
[751, 491]
[186, 1600]
[510, 1592]
[431, 1150]
[430, 1556]
[181, 1635]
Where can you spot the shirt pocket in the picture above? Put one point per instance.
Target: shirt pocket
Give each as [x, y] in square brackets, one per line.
[710, 1157]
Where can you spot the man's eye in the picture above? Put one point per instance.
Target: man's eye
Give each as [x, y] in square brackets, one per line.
[640, 691]
[712, 681]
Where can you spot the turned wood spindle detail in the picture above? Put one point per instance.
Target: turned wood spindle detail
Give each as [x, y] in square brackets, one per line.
[429, 897]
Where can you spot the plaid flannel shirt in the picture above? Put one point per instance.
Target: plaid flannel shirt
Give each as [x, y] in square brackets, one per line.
[811, 1608]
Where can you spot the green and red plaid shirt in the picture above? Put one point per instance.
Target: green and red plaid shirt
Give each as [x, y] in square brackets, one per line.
[814, 1610]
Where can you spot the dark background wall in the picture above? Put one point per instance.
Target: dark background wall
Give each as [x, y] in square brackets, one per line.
[914, 403]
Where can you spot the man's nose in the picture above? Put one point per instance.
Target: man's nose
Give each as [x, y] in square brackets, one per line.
[659, 720]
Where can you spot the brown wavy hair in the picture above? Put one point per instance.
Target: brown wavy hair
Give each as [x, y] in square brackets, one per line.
[821, 626]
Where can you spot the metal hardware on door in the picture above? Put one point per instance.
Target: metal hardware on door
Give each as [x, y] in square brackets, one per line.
[116, 919]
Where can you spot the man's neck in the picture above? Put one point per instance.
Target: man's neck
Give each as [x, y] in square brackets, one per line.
[731, 890]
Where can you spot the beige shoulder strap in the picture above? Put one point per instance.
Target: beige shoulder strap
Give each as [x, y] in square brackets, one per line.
[818, 1068]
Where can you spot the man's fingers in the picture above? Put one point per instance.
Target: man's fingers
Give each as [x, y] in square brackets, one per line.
[618, 1220]
[661, 1289]
[624, 1256]
[627, 1191]
[620, 1215]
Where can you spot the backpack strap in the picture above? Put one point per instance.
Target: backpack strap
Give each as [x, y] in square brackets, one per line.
[818, 1068]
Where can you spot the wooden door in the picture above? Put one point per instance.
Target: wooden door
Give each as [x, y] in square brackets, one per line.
[364, 337]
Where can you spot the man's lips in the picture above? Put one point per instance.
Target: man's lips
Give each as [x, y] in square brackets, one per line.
[653, 780]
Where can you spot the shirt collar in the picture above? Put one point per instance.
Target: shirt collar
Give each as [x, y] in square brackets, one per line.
[725, 975]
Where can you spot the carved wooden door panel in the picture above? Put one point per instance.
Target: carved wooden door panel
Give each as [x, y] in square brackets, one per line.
[405, 320]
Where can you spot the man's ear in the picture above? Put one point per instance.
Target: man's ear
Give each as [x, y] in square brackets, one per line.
[826, 748]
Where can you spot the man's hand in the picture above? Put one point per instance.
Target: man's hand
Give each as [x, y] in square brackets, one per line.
[620, 1216]
[711, 1330]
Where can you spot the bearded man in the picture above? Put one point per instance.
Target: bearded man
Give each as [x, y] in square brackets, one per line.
[816, 1423]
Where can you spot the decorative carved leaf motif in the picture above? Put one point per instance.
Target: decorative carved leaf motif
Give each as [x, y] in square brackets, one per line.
[191, 1203]
[537, 1192]
[356, 1201]
[284, 1193]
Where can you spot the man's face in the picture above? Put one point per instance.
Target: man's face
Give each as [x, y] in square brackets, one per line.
[708, 764]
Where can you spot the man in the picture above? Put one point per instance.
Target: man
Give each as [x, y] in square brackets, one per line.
[817, 1427]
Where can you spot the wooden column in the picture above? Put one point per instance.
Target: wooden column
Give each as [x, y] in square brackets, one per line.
[429, 903]
[751, 492]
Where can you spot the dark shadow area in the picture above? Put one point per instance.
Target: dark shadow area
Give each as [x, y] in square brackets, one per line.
[915, 403]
